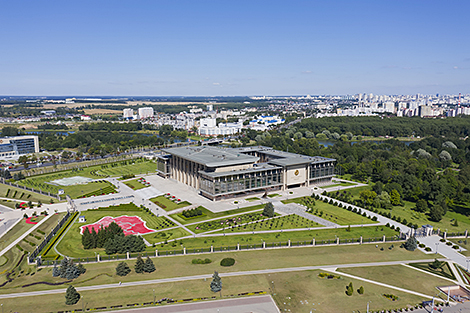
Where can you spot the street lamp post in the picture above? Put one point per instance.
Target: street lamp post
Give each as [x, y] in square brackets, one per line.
[83, 305]
[154, 297]
[437, 246]
[468, 261]
[368, 306]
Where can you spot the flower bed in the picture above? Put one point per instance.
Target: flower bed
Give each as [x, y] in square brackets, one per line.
[31, 220]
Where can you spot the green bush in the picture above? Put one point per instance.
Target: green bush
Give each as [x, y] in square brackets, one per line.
[227, 262]
[201, 261]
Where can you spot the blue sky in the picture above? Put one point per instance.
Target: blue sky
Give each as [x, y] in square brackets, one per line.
[165, 48]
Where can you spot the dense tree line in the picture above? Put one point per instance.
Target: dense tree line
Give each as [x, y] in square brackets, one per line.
[102, 126]
[112, 239]
[97, 143]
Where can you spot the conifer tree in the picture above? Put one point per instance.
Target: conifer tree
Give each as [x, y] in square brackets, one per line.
[71, 296]
[55, 271]
[122, 269]
[139, 265]
[216, 283]
[149, 266]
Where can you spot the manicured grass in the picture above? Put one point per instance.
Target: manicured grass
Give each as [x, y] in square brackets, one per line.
[137, 168]
[274, 195]
[98, 171]
[247, 260]
[282, 222]
[252, 199]
[289, 288]
[71, 243]
[464, 243]
[169, 205]
[294, 236]
[135, 184]
[400, 276]
[332, 213]
[444, 271]
[227, 222]
[18, 230]
[210, 215]
[22, 195]
[166, 235]
[338, 184]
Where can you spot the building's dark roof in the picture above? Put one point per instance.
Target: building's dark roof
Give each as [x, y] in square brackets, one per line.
[212, 156]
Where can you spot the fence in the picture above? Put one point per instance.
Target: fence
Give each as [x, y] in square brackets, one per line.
[57, 196]
[48, 238]
[238, 247]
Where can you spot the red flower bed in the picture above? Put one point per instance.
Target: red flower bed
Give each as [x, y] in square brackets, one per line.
[28, 220]
[131, 225]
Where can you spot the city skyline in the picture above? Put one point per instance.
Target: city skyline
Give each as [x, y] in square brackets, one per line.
[204, 48]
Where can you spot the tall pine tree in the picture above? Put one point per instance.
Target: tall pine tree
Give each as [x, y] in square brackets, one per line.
[139, 265]
[71, 296]
[149, 267]
[216, 283]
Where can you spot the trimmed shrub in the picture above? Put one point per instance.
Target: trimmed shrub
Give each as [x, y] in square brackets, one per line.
[227, 262]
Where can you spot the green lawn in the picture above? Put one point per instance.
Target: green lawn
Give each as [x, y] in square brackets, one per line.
[281, 222]
[292, 292]
[21, 195]
[444, 271]
[247, 260]
[18, 230]
[252, 199]
[41, 181]
[274, 195]
[294, 236]
[71, 244]
[339, 184]
[169, 205]
[400, 276]
[135, 184]
[166, 235]
[136, 168]
[332, 213]
[210, 215]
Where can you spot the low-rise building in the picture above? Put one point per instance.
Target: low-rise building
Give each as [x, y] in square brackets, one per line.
[227, 173]
[12, 147]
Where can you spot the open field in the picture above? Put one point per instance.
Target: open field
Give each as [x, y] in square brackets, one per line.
[247, 260]
[210, 215]
[169, 205]
[400, 276]
[332, 213]
[71, 242]
[276, 237]
[298, 292]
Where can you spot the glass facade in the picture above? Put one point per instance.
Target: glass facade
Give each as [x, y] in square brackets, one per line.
[163, 166]
[24, 146]
[232, 183]
[321, 170]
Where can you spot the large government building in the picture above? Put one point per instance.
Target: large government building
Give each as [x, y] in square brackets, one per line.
[12, 147]
[222, 173]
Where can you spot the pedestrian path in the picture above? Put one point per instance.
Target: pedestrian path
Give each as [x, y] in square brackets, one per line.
[299, 210]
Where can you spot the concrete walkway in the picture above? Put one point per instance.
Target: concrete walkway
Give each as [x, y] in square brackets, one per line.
[447, 251]
[294, 208]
